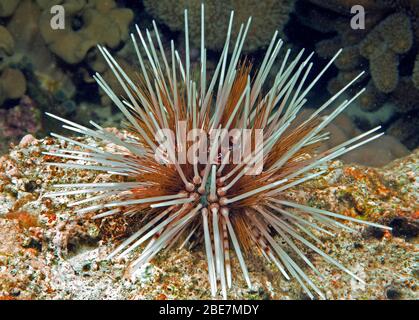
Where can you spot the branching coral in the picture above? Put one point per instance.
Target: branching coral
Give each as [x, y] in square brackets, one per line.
[268, 16]
[384, 70]
[386, 48]
[87, 24]
[381, 47]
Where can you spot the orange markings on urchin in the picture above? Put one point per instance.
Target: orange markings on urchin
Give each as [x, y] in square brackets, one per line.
[225, 206]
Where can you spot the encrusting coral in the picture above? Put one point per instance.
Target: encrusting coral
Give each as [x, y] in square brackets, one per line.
[267, 17]
[87, 24]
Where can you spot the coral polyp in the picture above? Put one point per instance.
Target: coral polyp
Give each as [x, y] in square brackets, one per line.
[229, 196]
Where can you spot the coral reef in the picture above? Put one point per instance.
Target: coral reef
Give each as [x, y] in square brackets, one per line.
[46, 252]
[31, 52]
[32, 66]
[376, 154]
[12, 81]
[267, 17]
[31, 55]
[405, 129]
[390, 38]
[387, 49]
[27, 67]
[12, 84]
[381, 43]
[18, 121]
[87, 24]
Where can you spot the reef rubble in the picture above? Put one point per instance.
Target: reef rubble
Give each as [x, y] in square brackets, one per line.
[46, 252]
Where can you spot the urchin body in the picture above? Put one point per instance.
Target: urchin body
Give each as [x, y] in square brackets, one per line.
[228, 206]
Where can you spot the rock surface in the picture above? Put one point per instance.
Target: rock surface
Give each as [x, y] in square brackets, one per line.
[48, 253]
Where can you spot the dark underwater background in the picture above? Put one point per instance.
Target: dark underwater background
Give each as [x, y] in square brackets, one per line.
[45, 70]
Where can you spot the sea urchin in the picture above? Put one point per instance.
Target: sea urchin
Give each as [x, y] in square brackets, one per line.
[210, 158]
